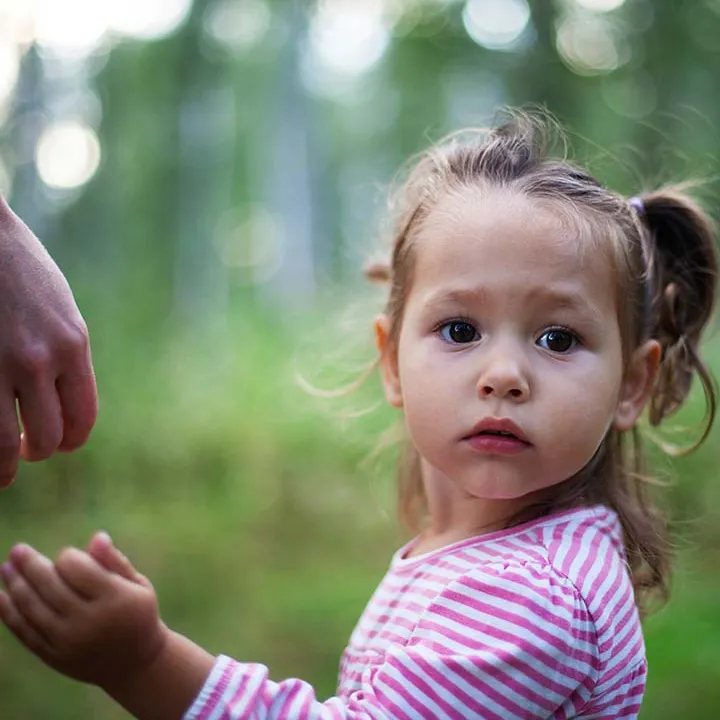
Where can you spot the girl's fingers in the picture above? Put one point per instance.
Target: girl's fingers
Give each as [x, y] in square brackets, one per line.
[82, 573]
[20, 628]
[101, 548]
[42, 576]
[36, 617]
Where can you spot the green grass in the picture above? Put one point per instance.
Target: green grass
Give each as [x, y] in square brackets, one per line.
[248, 503]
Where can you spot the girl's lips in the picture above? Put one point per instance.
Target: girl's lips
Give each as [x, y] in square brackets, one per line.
[497, 444]
[502, 427]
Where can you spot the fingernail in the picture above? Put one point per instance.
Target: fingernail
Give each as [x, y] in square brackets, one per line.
[105, 536]
[19, 550]
[6, 570]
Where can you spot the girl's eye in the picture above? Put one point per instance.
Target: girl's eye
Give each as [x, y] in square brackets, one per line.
[458, 332]
[558, 340]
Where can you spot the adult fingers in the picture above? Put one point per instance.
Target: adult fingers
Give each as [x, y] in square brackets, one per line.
[9, 435]
[77, 391]
[36, 614]
[82, 573]
[41, 416]
[20, 627]
[40, 573]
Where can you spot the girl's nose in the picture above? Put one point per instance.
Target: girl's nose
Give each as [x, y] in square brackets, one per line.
[503, 378]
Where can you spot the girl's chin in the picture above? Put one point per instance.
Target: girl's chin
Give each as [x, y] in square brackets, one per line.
[497, 494]
[508, 491]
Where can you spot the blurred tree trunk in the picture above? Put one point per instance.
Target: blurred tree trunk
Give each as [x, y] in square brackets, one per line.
[290, 179]
[206, 151]
[27, 121]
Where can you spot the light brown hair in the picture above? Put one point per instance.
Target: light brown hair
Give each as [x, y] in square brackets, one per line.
[662, 246]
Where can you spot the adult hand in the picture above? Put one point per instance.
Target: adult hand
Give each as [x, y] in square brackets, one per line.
[45, 367]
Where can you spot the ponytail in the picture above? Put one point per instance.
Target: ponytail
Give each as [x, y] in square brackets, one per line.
[683, 270]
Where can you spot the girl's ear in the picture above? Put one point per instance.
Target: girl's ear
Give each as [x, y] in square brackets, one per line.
[387, 352]
[637, 385]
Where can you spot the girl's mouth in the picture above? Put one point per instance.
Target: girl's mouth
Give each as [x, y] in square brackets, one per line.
[497, 443]
[499, 428]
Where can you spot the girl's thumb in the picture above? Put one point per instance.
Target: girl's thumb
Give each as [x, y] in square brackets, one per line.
[101, 548]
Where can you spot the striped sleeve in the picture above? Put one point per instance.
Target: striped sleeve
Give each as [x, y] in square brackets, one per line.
[499, 643]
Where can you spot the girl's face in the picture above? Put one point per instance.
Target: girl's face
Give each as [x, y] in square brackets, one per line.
[510, 326]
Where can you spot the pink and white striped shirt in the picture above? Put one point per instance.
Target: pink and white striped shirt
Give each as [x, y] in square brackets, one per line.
[538, 621]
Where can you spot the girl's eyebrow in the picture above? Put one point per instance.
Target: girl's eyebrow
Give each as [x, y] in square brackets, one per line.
[544, 297]
[455, 296]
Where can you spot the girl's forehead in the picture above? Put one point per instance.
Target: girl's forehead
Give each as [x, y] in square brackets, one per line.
[509, 244]
[504, 225]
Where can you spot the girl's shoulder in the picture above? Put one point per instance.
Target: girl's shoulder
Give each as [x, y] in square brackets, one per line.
[555, 589]
[556, 540]
[576, 553]
[580, 548]
[567, 568]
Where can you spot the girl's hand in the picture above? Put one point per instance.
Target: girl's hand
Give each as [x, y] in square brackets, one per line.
[89, 615]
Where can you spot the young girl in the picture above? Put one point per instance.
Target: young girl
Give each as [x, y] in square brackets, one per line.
[532, 314]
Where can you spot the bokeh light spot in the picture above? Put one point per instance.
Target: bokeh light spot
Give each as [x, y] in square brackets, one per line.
[238, 24]
[349, 36]
[5, 179]
[68, 155]
[600, 5]
[9, 69]
[72, 28]
[588, 45]
[148, 19]
[633, 96]
[249, 242]
[496, 24]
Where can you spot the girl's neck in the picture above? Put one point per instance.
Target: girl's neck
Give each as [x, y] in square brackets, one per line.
[454, 516]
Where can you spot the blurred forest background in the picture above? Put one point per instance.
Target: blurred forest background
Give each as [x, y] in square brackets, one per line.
[210, 175]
